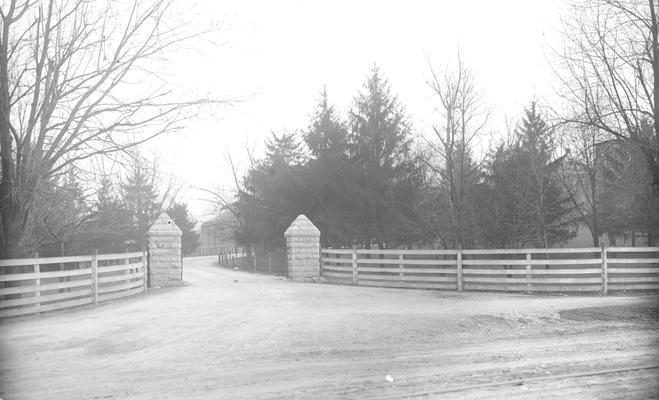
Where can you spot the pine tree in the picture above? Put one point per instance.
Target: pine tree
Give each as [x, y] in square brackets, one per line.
[284, 150]
[140, 197]
[273, 192]
[329, 175]
[65, 215]
[524, 205]
[327, 135]
[389, 180]
[182, 218]
[112, 225]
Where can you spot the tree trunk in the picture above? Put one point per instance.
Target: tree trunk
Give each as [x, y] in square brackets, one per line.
[654, 28]
[12, 225]
[11, 221]
[594, 199]
[595, 235]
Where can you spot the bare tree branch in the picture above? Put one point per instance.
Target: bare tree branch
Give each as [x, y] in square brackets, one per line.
[65, 74]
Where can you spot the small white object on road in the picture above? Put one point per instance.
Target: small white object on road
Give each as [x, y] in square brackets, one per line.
[389, 378]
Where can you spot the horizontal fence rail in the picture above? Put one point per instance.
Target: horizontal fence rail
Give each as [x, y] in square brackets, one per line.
[35, 285]
[598, 270]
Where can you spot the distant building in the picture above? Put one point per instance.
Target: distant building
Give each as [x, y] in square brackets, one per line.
[579, 184]
[217, 235]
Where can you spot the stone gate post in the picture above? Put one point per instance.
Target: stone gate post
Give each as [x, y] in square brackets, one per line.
[165, 267]
[303, 249]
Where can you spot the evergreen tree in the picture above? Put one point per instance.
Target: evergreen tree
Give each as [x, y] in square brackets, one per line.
[329, 175]
[327, 135]
[182, 218]
[140, 197]
[389, 177]
[274, 191]
[523, 204]
[65, 216]
[112, 225]
[284, 150]
[630, 205]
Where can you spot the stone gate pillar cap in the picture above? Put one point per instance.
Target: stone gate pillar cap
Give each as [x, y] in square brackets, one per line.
[302, 226]
[164, 226]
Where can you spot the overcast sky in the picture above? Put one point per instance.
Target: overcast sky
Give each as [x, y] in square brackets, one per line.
[278, 55]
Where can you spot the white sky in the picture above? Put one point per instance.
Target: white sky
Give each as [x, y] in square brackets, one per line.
[281, 53]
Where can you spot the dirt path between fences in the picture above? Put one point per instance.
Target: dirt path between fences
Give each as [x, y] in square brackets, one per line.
[235, 335]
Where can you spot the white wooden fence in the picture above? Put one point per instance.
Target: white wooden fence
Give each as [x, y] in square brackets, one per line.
[35, 285]
[522, 270]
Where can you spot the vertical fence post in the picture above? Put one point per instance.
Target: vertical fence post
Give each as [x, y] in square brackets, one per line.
[144, 271]
[126, 261]
[354, 265]
[37, 270]
[459, 265]
[400, 266]
[605, 275]
[528, 272]
[269, 262]
[94, 277]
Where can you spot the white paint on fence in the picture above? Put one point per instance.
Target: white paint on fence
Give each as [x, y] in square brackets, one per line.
[522, 270]
[55, 283]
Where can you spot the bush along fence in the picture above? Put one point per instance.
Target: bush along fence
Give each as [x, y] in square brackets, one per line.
[603, 270]
[271, 262]
[35, 285]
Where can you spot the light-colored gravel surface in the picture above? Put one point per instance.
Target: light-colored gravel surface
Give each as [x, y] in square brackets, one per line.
[264, 337]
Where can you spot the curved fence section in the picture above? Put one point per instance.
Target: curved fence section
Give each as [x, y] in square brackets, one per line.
[516, 270]
[35, 285]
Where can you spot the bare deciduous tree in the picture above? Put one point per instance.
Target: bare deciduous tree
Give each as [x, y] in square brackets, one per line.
[235, 202]
[610, 72]
[69, 74]
[465, 117]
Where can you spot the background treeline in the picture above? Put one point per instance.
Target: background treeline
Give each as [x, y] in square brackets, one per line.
[110, 213]
[365, 178]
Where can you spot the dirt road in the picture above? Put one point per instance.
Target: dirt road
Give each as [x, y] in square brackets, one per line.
[234, 335]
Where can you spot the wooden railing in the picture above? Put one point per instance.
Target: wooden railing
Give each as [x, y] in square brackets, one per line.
[35, 285]
[271, 262]
[520, 270]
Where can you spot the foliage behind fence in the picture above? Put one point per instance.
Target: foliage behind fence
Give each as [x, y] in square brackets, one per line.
[268, 261]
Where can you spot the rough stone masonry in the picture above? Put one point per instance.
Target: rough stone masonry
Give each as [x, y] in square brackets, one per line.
[164, 250]
[303, 249]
